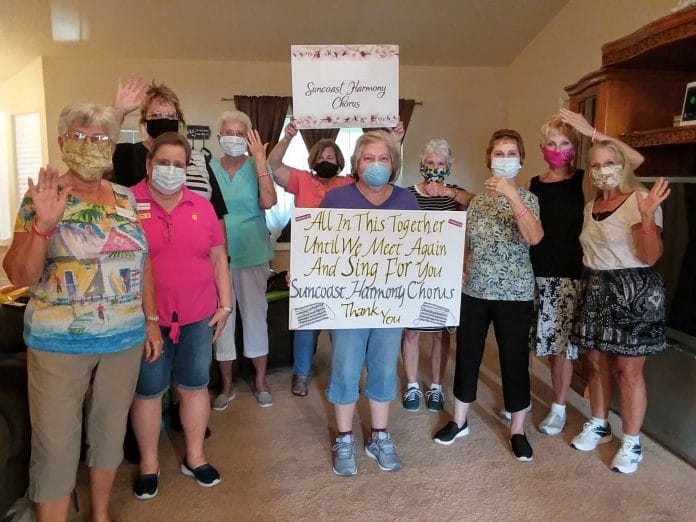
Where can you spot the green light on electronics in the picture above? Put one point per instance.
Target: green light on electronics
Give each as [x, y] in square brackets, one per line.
[692, 100]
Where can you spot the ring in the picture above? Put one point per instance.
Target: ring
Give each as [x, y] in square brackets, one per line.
[38, 189]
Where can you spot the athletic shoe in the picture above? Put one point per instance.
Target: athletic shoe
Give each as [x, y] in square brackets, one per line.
[264, 398]
[627, 458]
[553, 424]
[222, 400]
[591, 435]
[146, 486]
[381, 447]
[521, 448]
[300, 385]
[411, 400]
[450, 432]
[434, 400]
[344, 464]
[206, 475]
[506, 415]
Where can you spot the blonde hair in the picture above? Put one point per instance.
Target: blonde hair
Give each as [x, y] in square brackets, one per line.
[234, 116]
[89, 114]
[628, 182]
[159, 91]
[376, 136]
[555, 123]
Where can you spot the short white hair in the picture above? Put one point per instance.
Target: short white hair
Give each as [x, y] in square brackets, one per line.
[234, 116]
[440, 148]
[89, 114]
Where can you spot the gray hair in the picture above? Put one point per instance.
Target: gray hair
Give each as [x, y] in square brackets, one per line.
[376, 136]
[90, 114]
[440, 148]
[234, 116]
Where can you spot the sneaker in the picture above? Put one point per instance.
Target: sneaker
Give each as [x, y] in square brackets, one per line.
[300, 385]
[222, 400]
[264, 398]
[591, 435]
[627, 458]
[450, 432]
[206, 475]
[553, 424]
[411, 400]
[521, 448]
[506, 415]
[344, 464]
[381, 447]
[146, 486]
[434, 400]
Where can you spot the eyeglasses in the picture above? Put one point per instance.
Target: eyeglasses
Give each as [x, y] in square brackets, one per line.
[81, 136]
[232, 132]
[161, 116]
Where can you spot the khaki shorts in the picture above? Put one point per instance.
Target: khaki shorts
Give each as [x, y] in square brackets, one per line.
[59, 385]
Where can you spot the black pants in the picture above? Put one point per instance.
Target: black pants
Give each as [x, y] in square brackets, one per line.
[511, 323]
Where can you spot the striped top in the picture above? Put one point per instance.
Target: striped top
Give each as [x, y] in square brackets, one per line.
[434, 202]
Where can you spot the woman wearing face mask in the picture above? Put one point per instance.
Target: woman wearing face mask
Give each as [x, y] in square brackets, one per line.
[185, 238]
[374, 165]
[79, 245]
[620, 315]
[432, 194]
[248, 191]
[498, 286]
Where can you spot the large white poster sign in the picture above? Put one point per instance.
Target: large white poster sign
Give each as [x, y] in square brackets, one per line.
[375, 268]
[345, 85]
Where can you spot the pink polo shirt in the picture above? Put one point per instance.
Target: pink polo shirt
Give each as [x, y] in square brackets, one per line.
[309, 189]
[179, 246]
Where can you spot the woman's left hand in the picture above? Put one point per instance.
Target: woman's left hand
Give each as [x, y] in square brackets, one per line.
[577, 121]
[153, 341]
[501, 186]
[218, 321]
[658, 193]
[257, 148]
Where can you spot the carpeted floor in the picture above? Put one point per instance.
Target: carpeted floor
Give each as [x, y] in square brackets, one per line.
[276, 465]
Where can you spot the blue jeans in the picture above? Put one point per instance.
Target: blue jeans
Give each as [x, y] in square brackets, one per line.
[375, 348]
[304, 346]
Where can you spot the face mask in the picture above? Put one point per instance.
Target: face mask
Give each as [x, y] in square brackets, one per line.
[606, 178]
[436, 175]
[505, 167]
[233, 146]
[157, 127]
[326, 169]
[559, 158]
[88, 160]
[168, 179]
[376, 174]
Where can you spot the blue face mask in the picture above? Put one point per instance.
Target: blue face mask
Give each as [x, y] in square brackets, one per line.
[376, 174]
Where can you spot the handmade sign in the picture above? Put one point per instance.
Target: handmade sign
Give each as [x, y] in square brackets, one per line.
[345, 86]
[375, 268]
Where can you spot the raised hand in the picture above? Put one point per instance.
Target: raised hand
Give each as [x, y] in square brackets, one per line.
[398, 132]
[49, 205]
[501, 186]
[290, 130]
[577, 121]
[257, 148]
[658, 193]
[129, 94]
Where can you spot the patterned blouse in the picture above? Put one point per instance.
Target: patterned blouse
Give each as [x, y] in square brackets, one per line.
[498, 266]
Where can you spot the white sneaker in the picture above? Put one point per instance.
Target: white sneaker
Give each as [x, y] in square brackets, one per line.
[553, 424]
[627, 458]
[506, 415]
[591, 435]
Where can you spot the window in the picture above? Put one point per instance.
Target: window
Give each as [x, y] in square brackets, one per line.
[5, 197]
[27, 138]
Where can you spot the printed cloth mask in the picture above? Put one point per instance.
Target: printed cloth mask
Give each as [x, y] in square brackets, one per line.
[326, 169]
[436, 175]
[168, 179]
[88, 160]
[155, 128]
[606, 178]
[558, 158]
[505, 167]
[233, 146]
[376, 174]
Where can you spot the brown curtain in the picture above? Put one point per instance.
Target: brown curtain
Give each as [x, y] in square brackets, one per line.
[405, 113]
[267, 114]
[311, 136]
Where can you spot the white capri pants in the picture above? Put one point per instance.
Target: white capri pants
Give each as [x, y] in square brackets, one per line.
[249, 286]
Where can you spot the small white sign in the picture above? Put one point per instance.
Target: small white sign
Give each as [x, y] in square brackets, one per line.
[345, 86]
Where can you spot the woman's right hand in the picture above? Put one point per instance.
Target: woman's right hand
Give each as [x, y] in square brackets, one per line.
[290, 130]
[49, 204]
[577, 121]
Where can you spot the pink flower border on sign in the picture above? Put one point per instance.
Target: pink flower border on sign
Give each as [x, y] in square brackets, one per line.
[343, 52]
[309, 121]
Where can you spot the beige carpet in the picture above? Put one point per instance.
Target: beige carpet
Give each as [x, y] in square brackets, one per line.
[276, 465]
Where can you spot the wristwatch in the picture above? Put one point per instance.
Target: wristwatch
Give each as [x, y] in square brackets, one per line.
[153, 318]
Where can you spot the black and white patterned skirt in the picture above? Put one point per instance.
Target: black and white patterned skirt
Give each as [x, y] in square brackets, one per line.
[555, 305]
[621, 312]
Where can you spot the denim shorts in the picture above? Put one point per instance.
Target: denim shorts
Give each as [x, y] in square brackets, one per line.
[186, 364]
[375, 348]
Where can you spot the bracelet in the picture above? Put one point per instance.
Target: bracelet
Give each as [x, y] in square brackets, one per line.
[594, 134]
[263, 174]
[648, 231]
[45, 235]
[521, 213]
[227, 309]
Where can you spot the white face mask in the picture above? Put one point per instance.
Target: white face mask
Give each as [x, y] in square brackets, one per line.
[606, 178]
[233, 146]
[505, 167]
[168, 179]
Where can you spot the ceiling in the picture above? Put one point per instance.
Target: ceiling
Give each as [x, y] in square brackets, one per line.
[429, 32]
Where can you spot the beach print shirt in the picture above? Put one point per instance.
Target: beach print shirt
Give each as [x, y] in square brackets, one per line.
[89, 297]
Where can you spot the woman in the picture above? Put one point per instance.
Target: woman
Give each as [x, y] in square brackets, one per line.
[374, 165]
[184, 237]
[79, 245]
[248, 191]
[620, 315]
[326, 161]
[432, 194]
[499, 287]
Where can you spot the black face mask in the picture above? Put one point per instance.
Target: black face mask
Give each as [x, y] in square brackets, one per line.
[326, 169]
[160, 126]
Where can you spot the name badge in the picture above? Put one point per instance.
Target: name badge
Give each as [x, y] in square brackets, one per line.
[142, 205]
[144, 215]
[125, 212]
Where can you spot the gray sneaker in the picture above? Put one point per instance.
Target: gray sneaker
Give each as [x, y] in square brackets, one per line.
[344, 464]
[553, 424]
[222, 400]
[264, 398]
[381, 448]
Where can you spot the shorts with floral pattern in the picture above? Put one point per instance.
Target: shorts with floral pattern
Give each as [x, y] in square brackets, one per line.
[555, 302]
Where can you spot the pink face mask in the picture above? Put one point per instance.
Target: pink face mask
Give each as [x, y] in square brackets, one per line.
[557, 159]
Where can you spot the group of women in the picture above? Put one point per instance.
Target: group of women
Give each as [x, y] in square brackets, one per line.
[112, 322]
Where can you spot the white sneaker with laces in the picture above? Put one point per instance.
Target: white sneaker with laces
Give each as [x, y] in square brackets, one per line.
[591, 435]
[627, 458]
[553, 424]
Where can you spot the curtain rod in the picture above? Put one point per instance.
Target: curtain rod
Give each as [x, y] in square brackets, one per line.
[222, 98]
